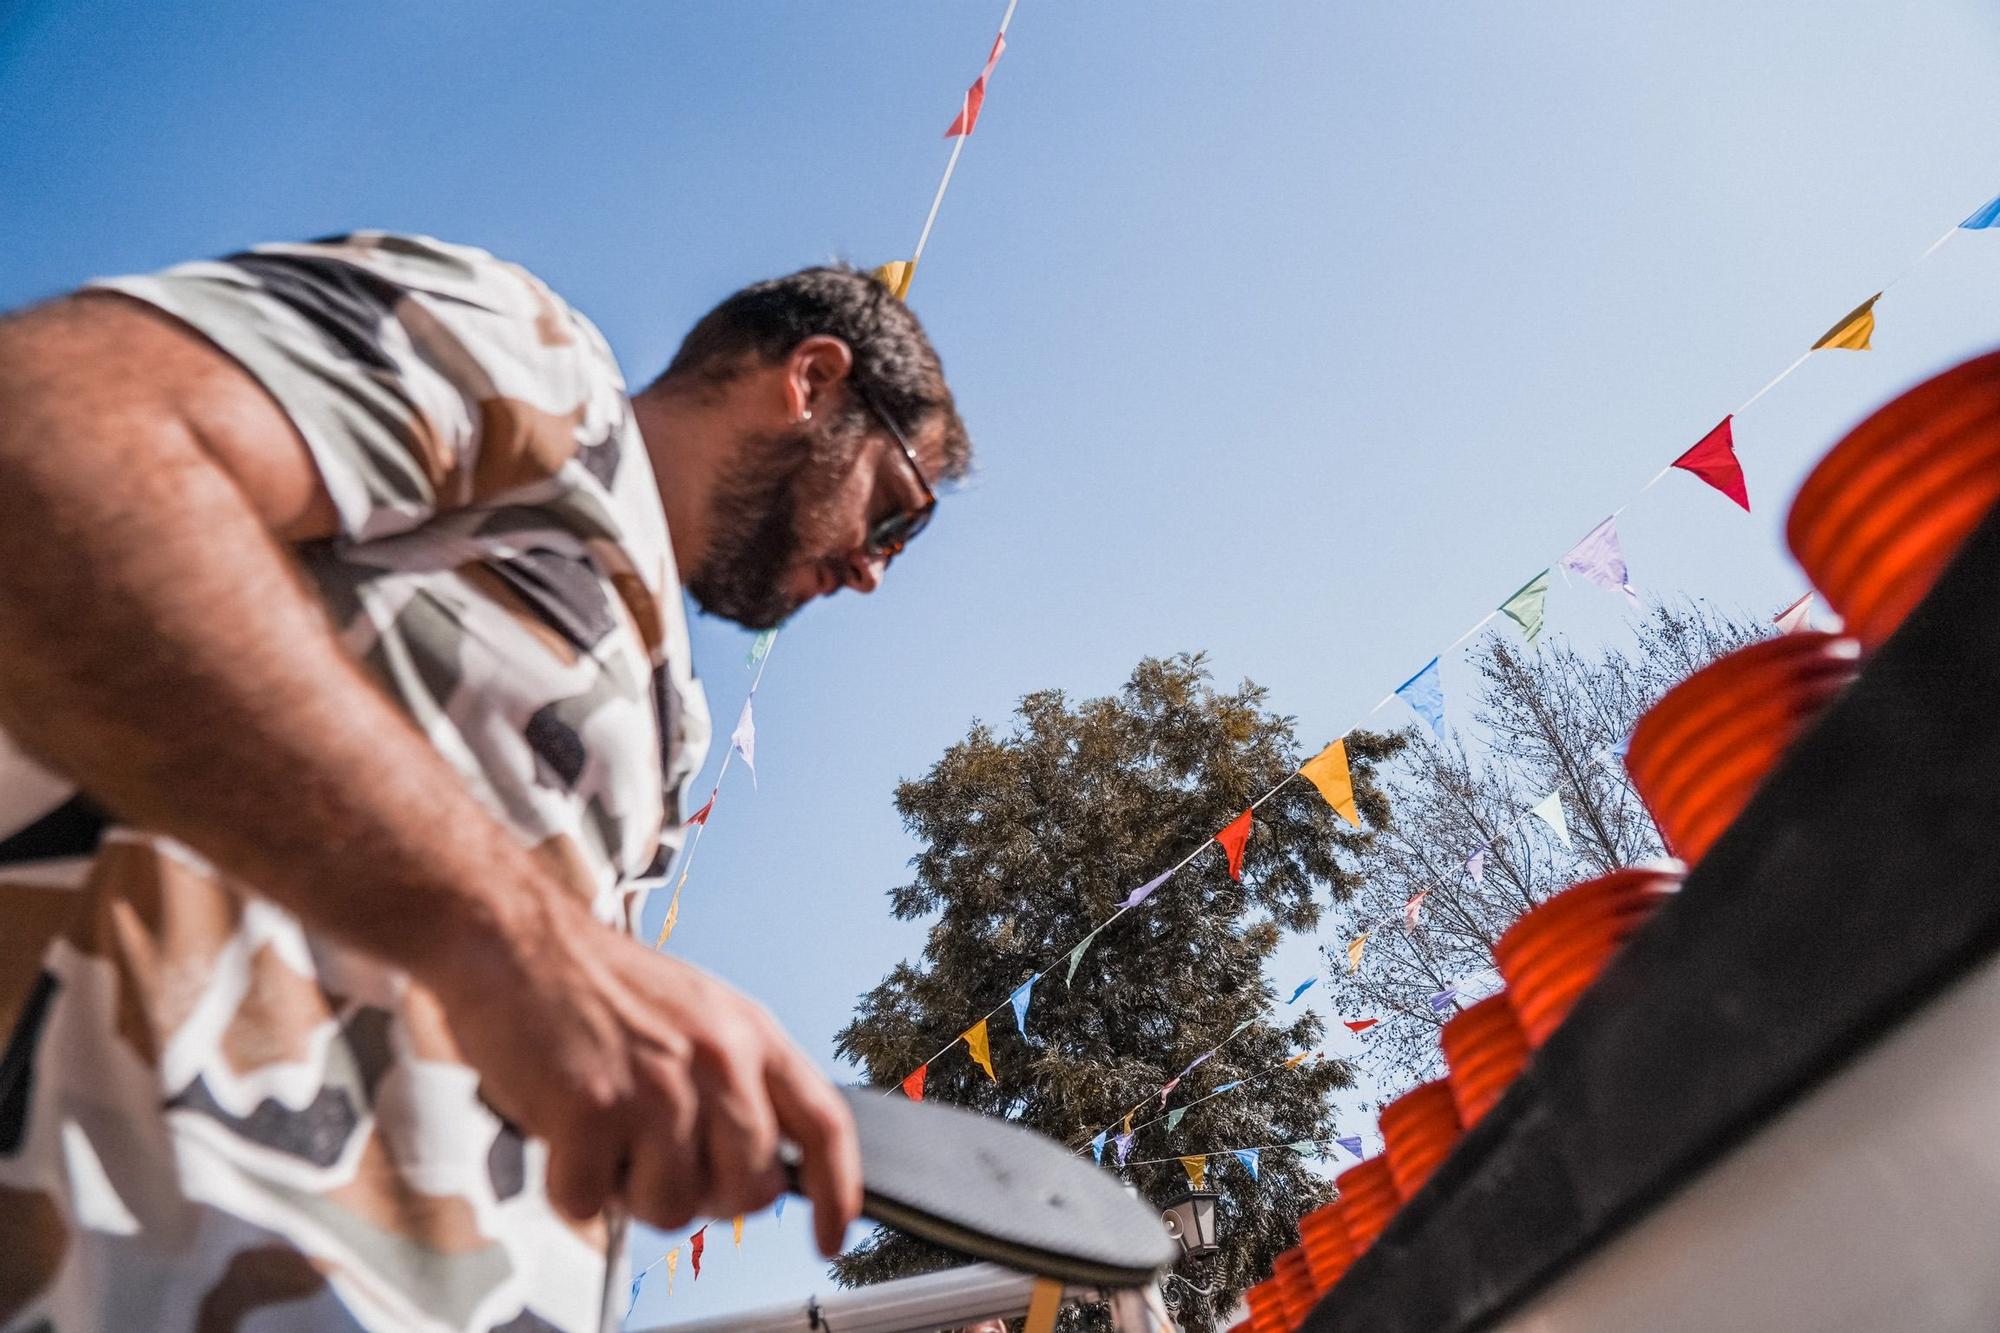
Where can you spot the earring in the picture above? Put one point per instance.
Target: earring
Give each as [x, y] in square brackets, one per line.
[805, 416]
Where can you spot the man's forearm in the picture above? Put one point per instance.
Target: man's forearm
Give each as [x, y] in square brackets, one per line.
[158, 648]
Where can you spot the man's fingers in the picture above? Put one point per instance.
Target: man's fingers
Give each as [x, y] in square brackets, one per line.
[670, 1179]
[741, 1135]
[812, 1115]
[583, 1172]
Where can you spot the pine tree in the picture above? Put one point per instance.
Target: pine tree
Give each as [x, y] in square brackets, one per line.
[1542, 720]
[1030, 839]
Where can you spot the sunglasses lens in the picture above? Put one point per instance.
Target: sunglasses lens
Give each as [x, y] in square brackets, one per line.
[888, 538]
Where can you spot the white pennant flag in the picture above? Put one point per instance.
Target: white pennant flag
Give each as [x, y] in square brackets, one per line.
[1550, 811]
[744, 739]
[1796, 617]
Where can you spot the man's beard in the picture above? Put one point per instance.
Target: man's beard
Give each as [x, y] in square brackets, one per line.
[754, 537]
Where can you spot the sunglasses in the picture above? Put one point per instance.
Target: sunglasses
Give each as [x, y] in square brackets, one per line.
[888, 536]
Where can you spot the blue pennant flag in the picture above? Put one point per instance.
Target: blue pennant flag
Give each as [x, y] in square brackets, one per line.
[1304, 986]
[637, 1283]
[1424, 693]
[1352, 1145]
[1247, 1156]
[1987, 216]
[1227, 1086]
[778, 1211]
[1097, 1148]
[1020, 1001]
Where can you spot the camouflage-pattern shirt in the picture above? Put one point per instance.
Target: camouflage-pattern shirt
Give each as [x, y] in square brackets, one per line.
[213, 1118]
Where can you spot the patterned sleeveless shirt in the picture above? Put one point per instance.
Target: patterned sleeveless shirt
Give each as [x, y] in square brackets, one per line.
[212, 1117]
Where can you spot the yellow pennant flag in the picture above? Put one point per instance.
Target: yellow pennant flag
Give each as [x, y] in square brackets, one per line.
[1854, 331]
[1354, 948]
[1328, 771]
[736, 1226]
[1197, 1170]
[1298, 1059]
[1128, 1122]
[975, 1041]
[673, 914]
[673, 1262]
[1044, 1304]
[896, 275]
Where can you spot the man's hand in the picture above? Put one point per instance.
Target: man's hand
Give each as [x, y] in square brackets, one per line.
[650, 1080]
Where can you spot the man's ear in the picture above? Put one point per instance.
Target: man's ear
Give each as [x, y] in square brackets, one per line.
[813, 369]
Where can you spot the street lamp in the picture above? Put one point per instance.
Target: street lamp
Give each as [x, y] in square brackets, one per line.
[1190, 1219]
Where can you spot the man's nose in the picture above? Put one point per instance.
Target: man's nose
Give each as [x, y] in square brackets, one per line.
[864, 571]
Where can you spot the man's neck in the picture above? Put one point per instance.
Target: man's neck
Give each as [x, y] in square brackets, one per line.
[680, 431]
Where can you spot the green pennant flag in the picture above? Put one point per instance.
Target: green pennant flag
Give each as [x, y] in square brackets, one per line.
[1076, 955]
[1524, 608]
[760, 647]
[1174, 1117]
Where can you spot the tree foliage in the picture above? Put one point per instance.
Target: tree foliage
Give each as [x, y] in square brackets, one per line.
[1542, 720]
[1029, 840]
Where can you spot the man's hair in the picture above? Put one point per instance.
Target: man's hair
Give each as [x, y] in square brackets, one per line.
[894, 363]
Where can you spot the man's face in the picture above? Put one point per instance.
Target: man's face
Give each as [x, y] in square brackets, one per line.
[791, 517]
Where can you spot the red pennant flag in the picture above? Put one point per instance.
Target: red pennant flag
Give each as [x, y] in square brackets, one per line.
[695, 1244]
[913, 1086]
[1714, 461]
[701, 816]
[1359, 1025]
[1232, 840]
[975, 96]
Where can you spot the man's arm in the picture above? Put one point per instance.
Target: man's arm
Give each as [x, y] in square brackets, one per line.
[158, 648]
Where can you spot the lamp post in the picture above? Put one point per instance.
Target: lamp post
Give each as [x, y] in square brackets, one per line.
[1190, 1219]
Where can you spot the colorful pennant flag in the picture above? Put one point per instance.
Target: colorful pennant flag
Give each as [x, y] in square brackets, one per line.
[1230, 1086]
[1359, 1025]
[1171, 1084]
[673, 1263]
[1796, 617]
[1550, 811]
[1352, 1144]
[1233, 838]
[1303, 987]
[744, 738]
[1411, 908]
[1097, 1147]
[1987, 216]
[1247, 1156]
[1354, 948]
[1713, 459]
[1526, 606]
[975, 1042]
[736, 1230]
[778, 1209]
[975, 96]
[896, 276]
[1145, 891]
[1444, 999]
[1019, 999]
[913, 1086]
[1424, 693]
[1854, 330]
[760, 647]
[696, 1243]
[1076, 955]
[1123, 1146]
[1300, 1059]
[1599, 559]
[633, 1304]
[1197, 1170]
[673, 914]
[1475, 865]
[701, 816]
[1174, 1118]
[1328, 770]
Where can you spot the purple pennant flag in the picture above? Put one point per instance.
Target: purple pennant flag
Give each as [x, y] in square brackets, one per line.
[1199, 1060]
[1444, 999]
[1352, 1145]
[1599, 559]
[1123, 1143]
[1475, 866]
[1144, 891]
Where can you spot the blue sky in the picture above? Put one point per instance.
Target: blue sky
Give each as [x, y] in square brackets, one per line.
[1299, 333]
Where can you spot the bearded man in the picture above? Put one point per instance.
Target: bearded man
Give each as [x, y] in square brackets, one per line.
[345, 704]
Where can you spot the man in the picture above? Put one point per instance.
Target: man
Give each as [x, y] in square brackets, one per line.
[342, 579]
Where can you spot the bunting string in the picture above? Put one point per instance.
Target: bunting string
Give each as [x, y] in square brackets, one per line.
[1597, 558]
